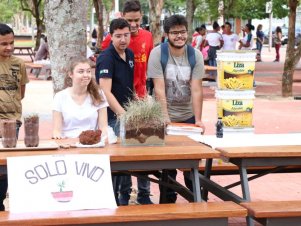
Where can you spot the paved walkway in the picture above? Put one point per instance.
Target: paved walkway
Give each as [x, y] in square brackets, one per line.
[272, 114]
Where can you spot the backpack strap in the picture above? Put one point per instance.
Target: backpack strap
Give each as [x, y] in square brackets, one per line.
[164, 56]
[191, 56]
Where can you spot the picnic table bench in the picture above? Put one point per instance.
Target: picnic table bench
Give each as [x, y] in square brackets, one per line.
[219, 167]
[275, 213]
[24, 51]
[39, 67]
[178, 214]
[208, 77]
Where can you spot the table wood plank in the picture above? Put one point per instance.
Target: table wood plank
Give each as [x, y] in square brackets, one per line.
[259, 152]
[263, 209]
[130, 213]
[176, 147]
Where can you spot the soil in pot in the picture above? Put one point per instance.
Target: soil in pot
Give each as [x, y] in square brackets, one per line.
[31, 127]
[144, 136]
[9, 136]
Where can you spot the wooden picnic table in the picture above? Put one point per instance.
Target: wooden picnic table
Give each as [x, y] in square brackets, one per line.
[39, 67]
[210, 68]
[24, 51]
[257, 156]
[178, 152]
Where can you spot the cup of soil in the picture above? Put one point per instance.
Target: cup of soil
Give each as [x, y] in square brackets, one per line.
[31, 128]
[9, 136]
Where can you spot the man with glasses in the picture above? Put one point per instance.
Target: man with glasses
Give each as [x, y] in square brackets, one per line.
[141, 44]
[115, 74]
[178, 87]
[13, 79]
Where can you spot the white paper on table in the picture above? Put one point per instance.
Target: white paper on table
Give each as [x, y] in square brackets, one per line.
[249, 140]
[60, 182]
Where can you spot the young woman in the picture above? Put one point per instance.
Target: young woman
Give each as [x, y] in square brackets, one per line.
[247, 41]
[230, 38]
[80, 107]
[278, 37]
[259, 40]
[215, 42]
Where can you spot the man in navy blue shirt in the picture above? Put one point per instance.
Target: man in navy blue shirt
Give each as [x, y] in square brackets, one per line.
[115, 74]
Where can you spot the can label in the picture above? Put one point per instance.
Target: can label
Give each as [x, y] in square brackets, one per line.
[235, 75]
[235, 112]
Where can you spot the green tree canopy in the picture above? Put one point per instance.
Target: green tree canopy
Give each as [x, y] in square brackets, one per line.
[8, 8]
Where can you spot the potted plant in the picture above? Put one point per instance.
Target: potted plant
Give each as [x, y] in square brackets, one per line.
[9, 137]
[31, 127]
[142, 123]
[62, 196]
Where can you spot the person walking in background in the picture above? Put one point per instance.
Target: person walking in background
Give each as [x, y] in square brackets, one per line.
[177, 85]
[80, 107]
[115, 74]
[204, 45]
[141, 43]
[215, 42]
[195, 35]
[12, 89]
[94, 38]
[259, 41]
[200, 39]
[230, 38]
[43, 51]
[278, 37]
[246, 43]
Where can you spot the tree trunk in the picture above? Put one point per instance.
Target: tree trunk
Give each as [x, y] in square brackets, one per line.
[155, 18]
[98, 5]
[39, 22]
[291, 53]
[67, 37]
[190, 5]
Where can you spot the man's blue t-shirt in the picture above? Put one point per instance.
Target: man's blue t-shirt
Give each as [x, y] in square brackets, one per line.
[110, 65]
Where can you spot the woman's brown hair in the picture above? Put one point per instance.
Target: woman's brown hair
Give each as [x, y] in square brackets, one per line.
[93, 88]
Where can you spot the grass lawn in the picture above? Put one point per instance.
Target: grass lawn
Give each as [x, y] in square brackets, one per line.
[25, 43]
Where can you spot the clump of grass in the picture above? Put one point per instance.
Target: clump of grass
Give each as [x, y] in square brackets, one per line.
[143, 112]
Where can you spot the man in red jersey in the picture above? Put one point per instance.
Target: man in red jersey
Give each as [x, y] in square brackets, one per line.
[141, 44]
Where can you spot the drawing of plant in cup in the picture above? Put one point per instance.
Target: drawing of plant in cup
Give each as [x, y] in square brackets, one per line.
[62, 196]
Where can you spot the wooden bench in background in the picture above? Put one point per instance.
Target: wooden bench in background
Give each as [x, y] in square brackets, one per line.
[219, 167]
[39, 67]
[180, 214]
[24, 51]
[207, 77]
[275, 213]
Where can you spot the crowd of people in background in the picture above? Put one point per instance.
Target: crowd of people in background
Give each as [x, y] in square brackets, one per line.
[224, 38]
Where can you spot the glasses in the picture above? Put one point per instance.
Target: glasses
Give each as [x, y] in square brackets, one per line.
[177, 33]
[125, 35]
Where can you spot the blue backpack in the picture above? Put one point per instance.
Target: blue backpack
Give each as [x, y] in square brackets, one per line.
[164, 56]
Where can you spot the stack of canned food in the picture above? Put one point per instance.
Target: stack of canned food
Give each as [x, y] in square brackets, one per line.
[235, 94]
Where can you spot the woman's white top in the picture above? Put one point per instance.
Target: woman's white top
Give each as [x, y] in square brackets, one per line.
[245, 39]
[230, 41]
[214, 39]
[77, 118]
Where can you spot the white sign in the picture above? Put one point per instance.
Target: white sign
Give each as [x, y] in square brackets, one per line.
[268, 7]
[59, 182]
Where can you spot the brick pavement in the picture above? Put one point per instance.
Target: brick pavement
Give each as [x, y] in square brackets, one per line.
[272, 114]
